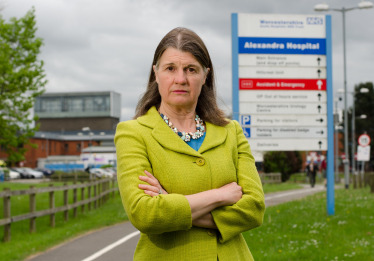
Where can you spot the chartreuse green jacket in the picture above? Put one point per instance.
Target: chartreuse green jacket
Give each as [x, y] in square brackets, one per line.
[164, 221]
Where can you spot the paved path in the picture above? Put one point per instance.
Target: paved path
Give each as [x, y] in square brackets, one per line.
[118, 242]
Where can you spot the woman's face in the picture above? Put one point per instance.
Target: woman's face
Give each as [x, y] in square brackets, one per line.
[180, 78]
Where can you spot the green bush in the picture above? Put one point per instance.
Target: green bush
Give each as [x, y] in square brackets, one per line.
[107, 166]
[285, 162]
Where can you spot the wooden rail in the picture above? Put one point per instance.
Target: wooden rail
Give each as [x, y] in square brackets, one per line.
[102, 189]
[271, 177]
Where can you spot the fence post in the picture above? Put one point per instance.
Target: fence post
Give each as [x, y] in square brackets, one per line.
[82, 197]
[7, 214]
[371, 182]
[66, 203]
[113, 188]
[75, 210]
[89, 195]
[108, 188]
[105, 190]
[75, 176]
[95, 194]
[52, 207]
[99, 194]
[32, 210]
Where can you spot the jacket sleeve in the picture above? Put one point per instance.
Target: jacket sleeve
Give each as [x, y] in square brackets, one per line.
[150, 215]
[248, 212]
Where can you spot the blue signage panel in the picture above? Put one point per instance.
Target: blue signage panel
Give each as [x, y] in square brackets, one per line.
[269, 45]
[245, 120]
[247, 132]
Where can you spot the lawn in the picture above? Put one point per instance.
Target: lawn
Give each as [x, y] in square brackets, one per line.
[269, 188]
[301, 230]
[23, 243]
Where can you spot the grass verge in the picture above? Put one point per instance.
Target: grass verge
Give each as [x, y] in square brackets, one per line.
[24, 244]
[301, 230]
[269, 188]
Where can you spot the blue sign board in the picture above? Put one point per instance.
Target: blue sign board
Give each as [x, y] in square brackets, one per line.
[269, 45]
[245, 120]
[247, 132]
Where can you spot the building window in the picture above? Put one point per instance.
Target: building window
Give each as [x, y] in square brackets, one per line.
[55, 146]
[66, 145]
[78, 147]
[42, 146]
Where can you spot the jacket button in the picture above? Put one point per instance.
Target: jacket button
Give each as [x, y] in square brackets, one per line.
[200, 162]
[211, 232]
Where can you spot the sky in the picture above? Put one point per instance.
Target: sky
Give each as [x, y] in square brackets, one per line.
[92, 45]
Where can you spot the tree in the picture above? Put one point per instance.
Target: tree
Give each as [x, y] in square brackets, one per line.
[285, 162]
[364, 104]
[22, 78]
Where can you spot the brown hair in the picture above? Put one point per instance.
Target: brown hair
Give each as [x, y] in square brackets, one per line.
[187, 41]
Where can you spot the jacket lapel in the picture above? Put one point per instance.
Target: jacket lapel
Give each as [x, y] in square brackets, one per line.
[215, 136]
[164, 135]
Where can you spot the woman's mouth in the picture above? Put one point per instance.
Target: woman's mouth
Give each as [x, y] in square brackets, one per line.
[179, 91]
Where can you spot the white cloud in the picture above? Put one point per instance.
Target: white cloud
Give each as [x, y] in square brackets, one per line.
[109, 45]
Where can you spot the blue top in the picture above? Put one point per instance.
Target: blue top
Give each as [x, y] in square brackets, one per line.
[196, 144]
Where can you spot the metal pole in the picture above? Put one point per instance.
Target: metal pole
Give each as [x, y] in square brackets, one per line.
[346, 162]
[353, 136]
[336, 146]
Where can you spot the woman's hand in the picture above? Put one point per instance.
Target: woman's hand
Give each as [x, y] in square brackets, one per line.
[154, 185]
[230, 193]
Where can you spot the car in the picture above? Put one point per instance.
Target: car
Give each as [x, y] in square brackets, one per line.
[45, 171]
[10, 174]
[33, 173]
[111, 170]
[22, 172]
[100, 173]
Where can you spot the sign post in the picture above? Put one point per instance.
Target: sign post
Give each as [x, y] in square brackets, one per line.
[282, 84]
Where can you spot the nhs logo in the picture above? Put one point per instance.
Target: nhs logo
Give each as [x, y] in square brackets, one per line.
[314, 20]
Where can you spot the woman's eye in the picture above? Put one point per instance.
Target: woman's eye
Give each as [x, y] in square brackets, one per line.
[170, 68]
[191, 70]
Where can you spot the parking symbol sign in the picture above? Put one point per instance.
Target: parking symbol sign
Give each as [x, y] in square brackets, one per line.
[245, 120]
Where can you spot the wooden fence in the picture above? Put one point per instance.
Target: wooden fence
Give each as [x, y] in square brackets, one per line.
[101, 190]
[271, 177]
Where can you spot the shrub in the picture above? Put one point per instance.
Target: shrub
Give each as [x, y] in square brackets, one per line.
[285, 162]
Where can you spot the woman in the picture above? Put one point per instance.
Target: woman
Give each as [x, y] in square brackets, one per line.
[312, 169]
[186, 175]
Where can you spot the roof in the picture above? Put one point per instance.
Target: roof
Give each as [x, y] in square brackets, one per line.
[76, 135]
[100, 149]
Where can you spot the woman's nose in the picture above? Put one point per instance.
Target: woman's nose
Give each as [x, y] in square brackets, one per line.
[180, 77]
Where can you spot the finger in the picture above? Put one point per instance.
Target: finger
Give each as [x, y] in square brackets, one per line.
[148, 187]
[149, 180]
[151, 193]
[150, 176]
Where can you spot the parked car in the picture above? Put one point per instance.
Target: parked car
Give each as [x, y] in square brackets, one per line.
[14, 174]
[46, 172]
[33, 173]
[10, 174]
[23, 173]
[100, 173]
[111, 170]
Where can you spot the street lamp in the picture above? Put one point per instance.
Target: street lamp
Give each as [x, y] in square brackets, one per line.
[353, 149]
[325, 7]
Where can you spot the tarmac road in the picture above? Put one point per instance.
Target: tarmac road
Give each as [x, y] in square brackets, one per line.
[119, 242]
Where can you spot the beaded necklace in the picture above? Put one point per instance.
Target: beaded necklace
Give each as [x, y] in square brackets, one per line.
[186, 136]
